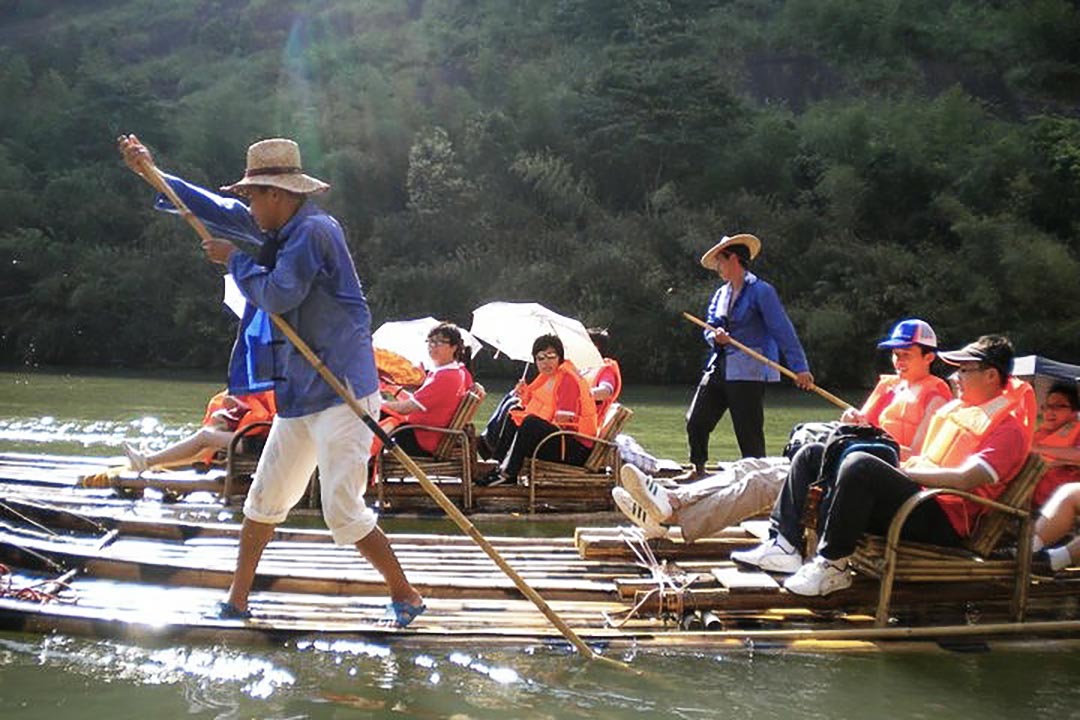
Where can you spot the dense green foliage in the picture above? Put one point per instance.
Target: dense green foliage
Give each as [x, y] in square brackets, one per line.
[897, 157]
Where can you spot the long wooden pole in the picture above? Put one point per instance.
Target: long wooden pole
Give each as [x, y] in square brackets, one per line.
[154, 177]
[771, 363]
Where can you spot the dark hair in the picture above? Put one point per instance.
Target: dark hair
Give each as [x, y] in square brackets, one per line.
[451, 333]
[1068, 391]
[549, 341]
[600, 338]
[997, 352]
[740, 251]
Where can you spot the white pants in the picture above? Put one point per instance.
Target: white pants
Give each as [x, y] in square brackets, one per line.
[335, 440]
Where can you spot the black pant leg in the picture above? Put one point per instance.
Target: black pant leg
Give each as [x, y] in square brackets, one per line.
[406, 440]
[867, 495]
[499, 431]
[708, 406]
[532, 430]
[565, 449]
[746, 399]
[786, 516]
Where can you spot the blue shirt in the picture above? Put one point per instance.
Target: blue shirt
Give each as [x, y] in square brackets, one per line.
[315, 289]
[757, 320]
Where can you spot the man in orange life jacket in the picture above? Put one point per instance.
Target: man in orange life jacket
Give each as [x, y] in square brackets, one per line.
[901, 405]
[975, 443]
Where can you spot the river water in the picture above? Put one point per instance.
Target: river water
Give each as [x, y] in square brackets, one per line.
[68, 677]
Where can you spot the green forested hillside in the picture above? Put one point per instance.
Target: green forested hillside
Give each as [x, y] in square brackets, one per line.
[897, 157]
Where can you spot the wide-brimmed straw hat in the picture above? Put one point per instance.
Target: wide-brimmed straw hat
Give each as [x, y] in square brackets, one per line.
[708, 260]
[276, 163]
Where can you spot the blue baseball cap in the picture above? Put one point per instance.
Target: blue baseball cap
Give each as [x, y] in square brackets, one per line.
[910, 332]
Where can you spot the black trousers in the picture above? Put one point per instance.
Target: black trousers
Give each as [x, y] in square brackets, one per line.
[867, 495]
[406, 440]
[499, 432]
[533, 429]
[786, 515]
[714, 397]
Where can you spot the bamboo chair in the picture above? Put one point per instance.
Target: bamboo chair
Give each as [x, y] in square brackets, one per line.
[454, 456]
[240, 461]
[891, 560]
[597, 476]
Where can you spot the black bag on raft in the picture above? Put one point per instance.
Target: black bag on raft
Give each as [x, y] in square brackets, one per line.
[846, 439]
[806, 433]
[842, 441]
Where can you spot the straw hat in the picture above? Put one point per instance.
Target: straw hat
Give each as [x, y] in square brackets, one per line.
[708, 260]
[276, 163]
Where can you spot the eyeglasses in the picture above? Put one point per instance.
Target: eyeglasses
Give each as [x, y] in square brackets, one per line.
[433, 342]
[547, 356]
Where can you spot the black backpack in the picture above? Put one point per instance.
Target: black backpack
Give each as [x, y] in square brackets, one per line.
[846, 439]
[806, 433]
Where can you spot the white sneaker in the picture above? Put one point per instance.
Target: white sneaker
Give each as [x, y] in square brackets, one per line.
[819, 577]
[770, 557]
[637, 514]
[646, 492]
[136, 460]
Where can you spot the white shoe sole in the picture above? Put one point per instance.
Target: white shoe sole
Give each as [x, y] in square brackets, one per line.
[646, 493]
[636, 514]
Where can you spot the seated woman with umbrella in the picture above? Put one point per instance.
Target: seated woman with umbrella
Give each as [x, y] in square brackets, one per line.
[435, 402]
[558, 399]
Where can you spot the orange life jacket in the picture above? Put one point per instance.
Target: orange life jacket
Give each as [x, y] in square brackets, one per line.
[540, 400]
[957, 430]
[591, 376]
[1027, 409]
[900, 413]
[247, 409]
[1066, 436]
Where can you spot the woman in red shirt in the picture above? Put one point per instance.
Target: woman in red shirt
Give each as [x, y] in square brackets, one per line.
[435, 402]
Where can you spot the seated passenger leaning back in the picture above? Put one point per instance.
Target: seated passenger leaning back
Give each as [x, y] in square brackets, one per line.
[900, 404]
[976, 443]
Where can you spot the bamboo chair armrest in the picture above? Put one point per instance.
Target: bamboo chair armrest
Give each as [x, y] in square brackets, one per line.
[462, 437]
[898, 521]
[570, 433]
[239, 435]
[429, 428]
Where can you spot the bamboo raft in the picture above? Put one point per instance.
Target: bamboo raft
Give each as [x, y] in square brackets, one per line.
[141, 578]
[201, 491]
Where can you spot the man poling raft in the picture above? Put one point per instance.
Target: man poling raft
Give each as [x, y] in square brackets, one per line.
[282, 211]
[747, 309]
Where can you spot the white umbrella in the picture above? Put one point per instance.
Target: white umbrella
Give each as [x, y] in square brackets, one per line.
[408, 338]
[511, 329]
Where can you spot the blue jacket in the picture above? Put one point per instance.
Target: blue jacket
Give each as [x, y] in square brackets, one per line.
[315, 289]
[758, 321]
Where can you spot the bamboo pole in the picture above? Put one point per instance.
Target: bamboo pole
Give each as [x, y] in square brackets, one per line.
[154, 177]
[771, 363]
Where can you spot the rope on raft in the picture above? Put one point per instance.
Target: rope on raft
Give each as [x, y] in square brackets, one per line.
[40, 592]
[671, 588]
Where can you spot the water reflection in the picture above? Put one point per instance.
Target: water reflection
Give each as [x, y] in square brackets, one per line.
[100, 435]
[343, 678]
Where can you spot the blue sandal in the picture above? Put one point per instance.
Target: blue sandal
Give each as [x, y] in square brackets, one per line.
[402, 613]
[227, 611]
